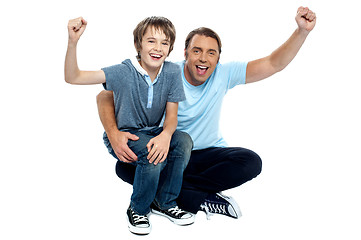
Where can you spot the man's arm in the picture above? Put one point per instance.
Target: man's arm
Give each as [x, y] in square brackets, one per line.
[73, 75]
[118, 139]
[158, 146]
[262, 68]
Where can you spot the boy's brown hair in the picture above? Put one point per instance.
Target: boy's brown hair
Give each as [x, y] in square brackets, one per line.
[159, 23]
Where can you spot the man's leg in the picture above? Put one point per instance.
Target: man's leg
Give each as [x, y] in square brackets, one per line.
[125, 171]
[213, 170]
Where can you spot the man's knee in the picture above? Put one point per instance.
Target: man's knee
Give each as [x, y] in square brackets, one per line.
[245, 161]
[255, 163]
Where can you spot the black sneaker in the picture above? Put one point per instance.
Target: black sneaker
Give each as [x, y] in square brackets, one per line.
[221, 204]
[175, 214]
[138, 224]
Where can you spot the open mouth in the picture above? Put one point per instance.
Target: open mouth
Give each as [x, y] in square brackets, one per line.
[201, 70]
[155, 56]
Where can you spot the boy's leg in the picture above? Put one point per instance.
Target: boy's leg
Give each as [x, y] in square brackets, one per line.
[213, 170]
[170, 181]
[171, 177]
[146, 176]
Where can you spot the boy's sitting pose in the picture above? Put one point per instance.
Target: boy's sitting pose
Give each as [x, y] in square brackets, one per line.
[144, 89]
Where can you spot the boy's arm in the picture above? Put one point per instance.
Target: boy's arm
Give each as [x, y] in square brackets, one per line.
[73, 75]
[281, 57]
[118, 139]
[158, 146]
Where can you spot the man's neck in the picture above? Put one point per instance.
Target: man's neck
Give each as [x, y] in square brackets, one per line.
[189, 77]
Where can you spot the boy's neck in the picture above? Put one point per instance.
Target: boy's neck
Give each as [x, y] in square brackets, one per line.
[152, 73]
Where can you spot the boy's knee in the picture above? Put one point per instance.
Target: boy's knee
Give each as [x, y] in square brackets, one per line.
[182, 140]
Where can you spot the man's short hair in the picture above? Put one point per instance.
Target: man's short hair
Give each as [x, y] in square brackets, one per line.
[159, 23]
[203, 31]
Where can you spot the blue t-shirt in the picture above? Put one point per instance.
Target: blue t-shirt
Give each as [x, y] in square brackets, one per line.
[199, 115]
[139, 102]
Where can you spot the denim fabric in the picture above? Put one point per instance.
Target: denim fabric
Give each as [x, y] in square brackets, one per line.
[160, 183]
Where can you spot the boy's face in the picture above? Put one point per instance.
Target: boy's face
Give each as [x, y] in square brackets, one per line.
[202, 57]
[155, 49]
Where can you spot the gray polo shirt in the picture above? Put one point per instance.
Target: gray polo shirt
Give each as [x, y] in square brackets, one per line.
[140, 103]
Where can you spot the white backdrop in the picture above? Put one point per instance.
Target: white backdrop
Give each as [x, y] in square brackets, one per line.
[57, 180]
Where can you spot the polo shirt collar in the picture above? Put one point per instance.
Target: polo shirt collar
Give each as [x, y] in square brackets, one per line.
[141, 70]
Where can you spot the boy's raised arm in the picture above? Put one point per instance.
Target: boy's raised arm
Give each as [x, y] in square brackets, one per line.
[73, 75]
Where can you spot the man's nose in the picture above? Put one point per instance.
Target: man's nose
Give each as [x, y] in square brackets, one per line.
[203, 57]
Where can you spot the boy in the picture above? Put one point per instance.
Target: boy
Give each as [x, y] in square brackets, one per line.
[143, 89]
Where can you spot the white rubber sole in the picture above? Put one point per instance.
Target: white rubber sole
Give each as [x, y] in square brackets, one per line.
[139, 230]
[180, 222]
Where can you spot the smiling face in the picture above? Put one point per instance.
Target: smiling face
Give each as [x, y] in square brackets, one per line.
[202, 56]
[154, 50]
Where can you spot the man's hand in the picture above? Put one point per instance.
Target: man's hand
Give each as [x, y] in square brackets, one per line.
[306, 19]
[158, 148]
[119, 142]
[76, 27]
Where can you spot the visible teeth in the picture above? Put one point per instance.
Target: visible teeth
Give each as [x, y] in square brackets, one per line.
[201, 67]
[156, 55]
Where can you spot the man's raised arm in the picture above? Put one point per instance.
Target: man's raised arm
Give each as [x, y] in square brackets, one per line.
[281, 57]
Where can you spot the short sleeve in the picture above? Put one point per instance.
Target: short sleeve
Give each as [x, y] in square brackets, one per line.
[111, 75]
[176, 90]
[235, 73]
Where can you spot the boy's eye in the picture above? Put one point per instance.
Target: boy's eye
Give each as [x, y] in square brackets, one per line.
[165, 43]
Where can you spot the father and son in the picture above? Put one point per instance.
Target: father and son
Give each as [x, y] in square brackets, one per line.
[161, 119]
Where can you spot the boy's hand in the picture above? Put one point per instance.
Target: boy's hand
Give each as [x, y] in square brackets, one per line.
[119, 142]
[306, 19]
[76, 27]
[158, 148]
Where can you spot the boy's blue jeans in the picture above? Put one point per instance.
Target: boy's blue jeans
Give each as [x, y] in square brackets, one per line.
[159, 183]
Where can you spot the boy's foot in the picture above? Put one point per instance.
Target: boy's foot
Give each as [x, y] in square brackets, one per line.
[138, 224]
[175, 214]
[221, 204]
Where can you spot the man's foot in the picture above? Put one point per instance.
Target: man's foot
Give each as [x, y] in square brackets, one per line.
[221, 204]
[175, 214]
[137, 223]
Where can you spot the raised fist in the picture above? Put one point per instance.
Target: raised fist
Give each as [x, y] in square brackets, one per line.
[76, 27]
[305, 18]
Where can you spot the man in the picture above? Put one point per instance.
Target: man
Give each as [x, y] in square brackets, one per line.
[213, 167]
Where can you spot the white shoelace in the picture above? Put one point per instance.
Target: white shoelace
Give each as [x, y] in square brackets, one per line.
[175, 210]
[139, 218]
[206, 209]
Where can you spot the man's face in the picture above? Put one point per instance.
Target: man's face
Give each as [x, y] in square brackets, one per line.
[202, 57]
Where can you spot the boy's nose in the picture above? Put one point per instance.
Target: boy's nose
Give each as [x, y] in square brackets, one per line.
[157, 47]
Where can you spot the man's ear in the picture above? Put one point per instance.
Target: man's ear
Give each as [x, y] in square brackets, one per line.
[185, 54]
